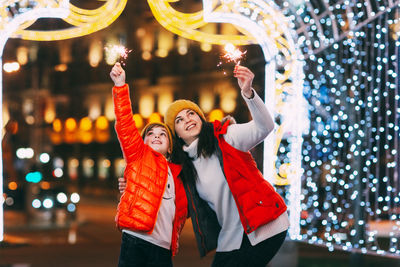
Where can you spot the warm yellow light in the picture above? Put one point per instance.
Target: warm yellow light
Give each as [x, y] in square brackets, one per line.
[164, 100]
[94, 108]
[109, 109]
[146, 55]
[162, 53]
[192, 25]
[12, 186]
[228, 100]
[70, 124]
[30, 119]
[140, 32]
[206, 47]
[228, 104]
[22, 55]
[138, 120]
[5, 115]
[86, 137]
[11, 67]
[146, 105]
[57, 125]
[95, 53]
[102, 123]
[50, 112]
[165, 43]
[83, 21]
[216, 114]
[106, 163]
[61, 67]
[85, 124]
[147, 42]
[155, 117]
[182, 45]
[206, 100]
[228, 29]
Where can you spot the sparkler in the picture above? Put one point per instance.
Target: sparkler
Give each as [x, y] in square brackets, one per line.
[118, 51]
[232, 54]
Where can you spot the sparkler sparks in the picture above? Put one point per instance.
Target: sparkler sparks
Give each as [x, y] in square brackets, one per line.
[233, 54]
[118, 52]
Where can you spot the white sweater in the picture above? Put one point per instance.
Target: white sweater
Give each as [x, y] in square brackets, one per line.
[213, 187]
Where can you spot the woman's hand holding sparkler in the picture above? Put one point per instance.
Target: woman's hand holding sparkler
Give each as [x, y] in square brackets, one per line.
[117, 74]
[245, 79]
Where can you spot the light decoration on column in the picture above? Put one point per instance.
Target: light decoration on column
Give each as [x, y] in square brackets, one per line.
[263, 23]
[17, 16]
[350, 191]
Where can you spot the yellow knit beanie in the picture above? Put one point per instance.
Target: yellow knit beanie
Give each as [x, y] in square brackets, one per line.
[162, 125]
[176, 107]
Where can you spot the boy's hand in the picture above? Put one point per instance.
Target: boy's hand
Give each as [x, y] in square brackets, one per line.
[245, 80]
[117, 74]
[121, 184]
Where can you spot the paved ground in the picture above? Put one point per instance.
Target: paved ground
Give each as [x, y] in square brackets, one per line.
[94, 241]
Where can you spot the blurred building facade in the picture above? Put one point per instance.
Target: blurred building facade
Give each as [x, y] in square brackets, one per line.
[59, 95]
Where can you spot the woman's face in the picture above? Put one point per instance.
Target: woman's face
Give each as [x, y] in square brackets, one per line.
[188, 125]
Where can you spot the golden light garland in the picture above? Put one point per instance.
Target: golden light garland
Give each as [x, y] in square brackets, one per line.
[83, 21]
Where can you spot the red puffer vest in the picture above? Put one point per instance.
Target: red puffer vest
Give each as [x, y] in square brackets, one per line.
[257, 201]
[146, 173]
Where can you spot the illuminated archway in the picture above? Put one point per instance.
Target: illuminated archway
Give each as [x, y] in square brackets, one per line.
[262, 23]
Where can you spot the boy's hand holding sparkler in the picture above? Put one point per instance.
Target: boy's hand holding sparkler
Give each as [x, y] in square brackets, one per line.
[245, 79]
[117, 74]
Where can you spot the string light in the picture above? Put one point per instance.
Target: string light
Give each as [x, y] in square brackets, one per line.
[350, 190]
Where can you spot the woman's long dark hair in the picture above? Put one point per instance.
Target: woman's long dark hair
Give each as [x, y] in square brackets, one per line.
[207, 146]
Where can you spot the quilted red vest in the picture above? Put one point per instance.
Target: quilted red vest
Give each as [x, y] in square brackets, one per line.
[146, 173]
[257, 201]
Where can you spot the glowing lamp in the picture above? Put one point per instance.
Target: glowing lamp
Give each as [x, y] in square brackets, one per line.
[12, 186]
[70, 124]
[155, 117]
[57, 125]
[138, 120]
[102, 123]
[216, 114]
[85, 124]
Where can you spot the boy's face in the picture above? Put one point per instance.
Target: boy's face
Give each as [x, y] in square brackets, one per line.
[157, 139]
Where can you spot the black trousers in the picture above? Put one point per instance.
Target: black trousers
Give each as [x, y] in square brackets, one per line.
[248, 255]
[136, 252]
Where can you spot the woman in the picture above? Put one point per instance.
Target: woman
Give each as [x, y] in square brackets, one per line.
[232, 207]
